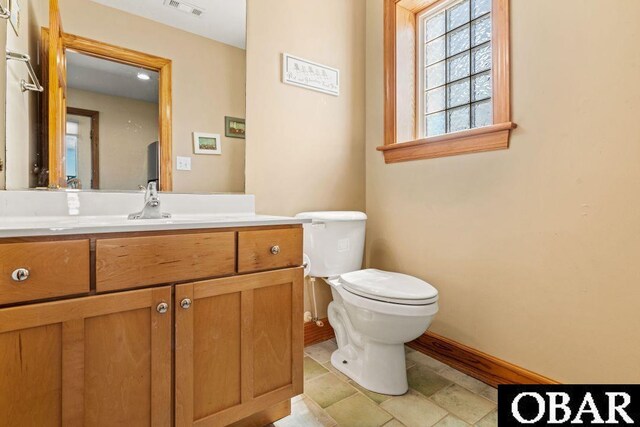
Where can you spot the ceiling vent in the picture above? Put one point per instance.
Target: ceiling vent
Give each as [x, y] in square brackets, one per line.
[184, 7]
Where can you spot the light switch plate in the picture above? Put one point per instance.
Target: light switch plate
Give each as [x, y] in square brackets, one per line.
[183, 163]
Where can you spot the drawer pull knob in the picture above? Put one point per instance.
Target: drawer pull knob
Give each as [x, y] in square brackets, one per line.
[185, 303]
[20, 274]
[275, 249]
[162, 308]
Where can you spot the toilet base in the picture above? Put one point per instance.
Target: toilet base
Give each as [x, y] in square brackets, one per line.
[371, 335]
[378, 367]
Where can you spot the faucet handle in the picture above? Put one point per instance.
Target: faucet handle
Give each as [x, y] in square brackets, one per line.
[152, 191]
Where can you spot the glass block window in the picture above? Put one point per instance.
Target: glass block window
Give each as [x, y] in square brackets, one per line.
[456, 65]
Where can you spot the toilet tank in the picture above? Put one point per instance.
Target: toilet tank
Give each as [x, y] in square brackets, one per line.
[334, 241]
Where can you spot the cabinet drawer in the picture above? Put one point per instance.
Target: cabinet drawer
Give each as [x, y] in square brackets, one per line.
[132, 262]
[269, 249]
[54, 269]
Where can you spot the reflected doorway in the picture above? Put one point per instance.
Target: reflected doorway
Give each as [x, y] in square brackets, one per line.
[127, 99]
[82, 148]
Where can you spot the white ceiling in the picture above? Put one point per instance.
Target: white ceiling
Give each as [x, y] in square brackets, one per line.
[222, 20]
[85, 72]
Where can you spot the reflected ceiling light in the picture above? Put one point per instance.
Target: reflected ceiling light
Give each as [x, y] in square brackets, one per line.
[143, 76]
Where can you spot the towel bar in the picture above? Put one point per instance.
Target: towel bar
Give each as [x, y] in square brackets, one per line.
[35, 86]
[4, 13]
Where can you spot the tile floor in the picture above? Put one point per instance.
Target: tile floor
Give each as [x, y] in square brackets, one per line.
[438, 396]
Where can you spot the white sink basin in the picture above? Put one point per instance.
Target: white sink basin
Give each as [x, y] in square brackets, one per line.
[38, 213]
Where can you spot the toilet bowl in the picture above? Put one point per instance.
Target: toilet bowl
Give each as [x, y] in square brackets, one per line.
[371, 330]
[373, 312]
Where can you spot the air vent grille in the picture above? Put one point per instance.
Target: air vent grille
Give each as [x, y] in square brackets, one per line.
[184, 7]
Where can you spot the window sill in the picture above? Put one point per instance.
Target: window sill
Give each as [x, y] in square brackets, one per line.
[488, 138]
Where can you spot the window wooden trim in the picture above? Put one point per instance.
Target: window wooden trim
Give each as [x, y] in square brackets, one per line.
[494, 137]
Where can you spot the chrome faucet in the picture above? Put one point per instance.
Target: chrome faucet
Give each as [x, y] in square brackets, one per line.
[151, 209]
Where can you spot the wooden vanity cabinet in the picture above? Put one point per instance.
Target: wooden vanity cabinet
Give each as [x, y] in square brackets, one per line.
[55, 269]
[262, 250]
[134, 262]
[181, 351]
[99, 360]
[238, 346]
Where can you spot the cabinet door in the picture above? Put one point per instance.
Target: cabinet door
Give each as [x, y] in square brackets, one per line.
[239, 346]
[103, 360]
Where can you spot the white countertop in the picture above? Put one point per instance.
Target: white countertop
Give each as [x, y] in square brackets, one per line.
[51, 213]
[65, 225]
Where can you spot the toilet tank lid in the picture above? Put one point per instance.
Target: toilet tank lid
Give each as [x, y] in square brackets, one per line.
[333, 216]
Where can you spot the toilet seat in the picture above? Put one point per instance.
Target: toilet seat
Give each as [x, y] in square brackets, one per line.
[382, 307]
[388, 287]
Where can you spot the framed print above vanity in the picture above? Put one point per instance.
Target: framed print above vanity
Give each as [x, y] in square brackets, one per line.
[234, 127]
[206, 143]
[145, 91]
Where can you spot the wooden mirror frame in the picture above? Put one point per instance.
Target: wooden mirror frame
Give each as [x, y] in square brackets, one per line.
[124, 56]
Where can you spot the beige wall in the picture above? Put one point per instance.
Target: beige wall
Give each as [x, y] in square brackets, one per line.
[3, 102]
[127, 127]
[535, 249]
[21, 121]
[322, 133]
[305, 149]
[17, 122]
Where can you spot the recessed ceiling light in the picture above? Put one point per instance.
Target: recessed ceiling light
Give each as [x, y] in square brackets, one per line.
[143, 76]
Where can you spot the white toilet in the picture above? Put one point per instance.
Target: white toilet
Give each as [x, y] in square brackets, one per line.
[373, 312]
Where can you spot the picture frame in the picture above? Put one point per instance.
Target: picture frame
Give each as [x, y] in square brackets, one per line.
[234, 127]
[310, 75]
[207, 143]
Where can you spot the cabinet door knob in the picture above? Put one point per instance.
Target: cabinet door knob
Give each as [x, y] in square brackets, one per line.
[275, 249]
[185, 303]
[20, 274]
[162, 308]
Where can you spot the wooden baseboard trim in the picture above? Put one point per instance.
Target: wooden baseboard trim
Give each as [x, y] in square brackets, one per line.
[486, 368]
[482, 366]
[314, 334]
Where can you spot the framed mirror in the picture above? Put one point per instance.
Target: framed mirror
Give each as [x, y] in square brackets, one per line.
[116, 79]
[124, 96]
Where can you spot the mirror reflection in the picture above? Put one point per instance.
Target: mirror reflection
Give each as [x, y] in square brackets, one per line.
[125, 100]
[111, 139]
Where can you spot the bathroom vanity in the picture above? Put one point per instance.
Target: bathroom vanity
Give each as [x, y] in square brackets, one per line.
[196, 320]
